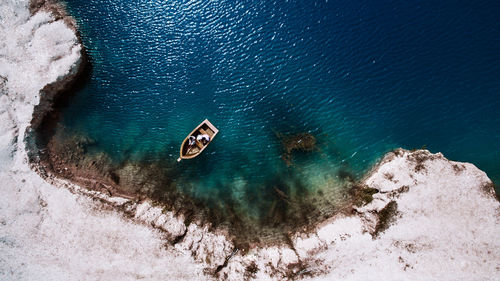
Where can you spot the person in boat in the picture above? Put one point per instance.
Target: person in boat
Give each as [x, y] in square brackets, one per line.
[204, 138]
[191, 140]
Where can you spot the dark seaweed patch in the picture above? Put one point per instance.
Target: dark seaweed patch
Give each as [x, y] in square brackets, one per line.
[251, 271]
[385, 217]
[302, 142]
[361, 194]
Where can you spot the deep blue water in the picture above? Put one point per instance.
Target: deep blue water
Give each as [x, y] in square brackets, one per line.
[364, 77]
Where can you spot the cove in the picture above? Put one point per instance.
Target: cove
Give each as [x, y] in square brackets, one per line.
[361, 78]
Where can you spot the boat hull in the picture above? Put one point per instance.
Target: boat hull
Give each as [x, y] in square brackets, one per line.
[189, 151]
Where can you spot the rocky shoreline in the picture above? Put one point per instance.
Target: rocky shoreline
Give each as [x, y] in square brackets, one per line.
[58, 159]
[415, 201]
[54, 155]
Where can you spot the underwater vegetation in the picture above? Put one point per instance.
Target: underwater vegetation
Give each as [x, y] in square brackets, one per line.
[252, 213]
[296, 143]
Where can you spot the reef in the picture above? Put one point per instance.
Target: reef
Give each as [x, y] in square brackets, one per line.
[302, 142]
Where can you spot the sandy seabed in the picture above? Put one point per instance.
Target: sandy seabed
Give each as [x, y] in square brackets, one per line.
[432, 219]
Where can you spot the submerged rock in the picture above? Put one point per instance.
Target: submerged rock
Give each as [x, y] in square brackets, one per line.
[296, 143]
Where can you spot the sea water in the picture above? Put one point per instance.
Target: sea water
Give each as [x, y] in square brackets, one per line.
[363, 77]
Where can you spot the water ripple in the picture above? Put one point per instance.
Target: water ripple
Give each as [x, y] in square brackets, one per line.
[364, 77]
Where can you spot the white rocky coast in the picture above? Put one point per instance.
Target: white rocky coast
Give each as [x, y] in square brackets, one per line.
[433, 219]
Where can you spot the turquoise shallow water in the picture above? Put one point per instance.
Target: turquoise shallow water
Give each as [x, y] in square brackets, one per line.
[362, 77]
